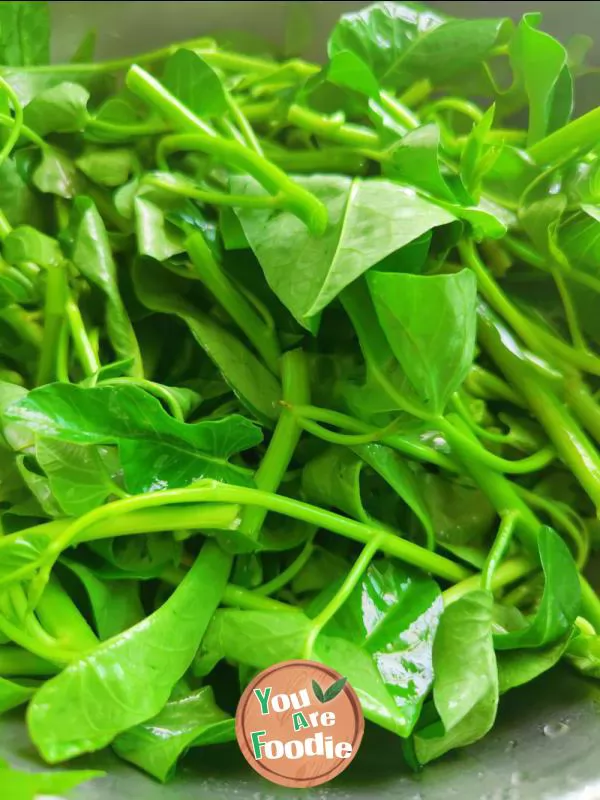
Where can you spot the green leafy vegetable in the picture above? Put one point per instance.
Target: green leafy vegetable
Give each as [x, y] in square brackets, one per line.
[466, 686]
[435, 349]
[152, 445]
[193, 720]
[347, 249]
[139, 668]
[297, 361]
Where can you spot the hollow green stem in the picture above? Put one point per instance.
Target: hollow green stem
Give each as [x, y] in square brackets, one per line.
[499, 548]
[464, 107]
[63, 620]
[245, 127]
[126, 130]
[529, 255]
[234, 596]
[289, 194]
[477, 453]
[17, 662]
[235, 304]
[156, 95]
[399, 112]
[342, 594]
[484, 384]
[561, 520]
[47, 652]
[346, 439]
[533, 335]
[214, 492]
[168, 182]
[275, 462]
[577, 136]
[17, 124]
[62, 357]
[54, 311]
[584, 406]
[334, 128]
[405, 445]
[289, 573]
[327, 159]
[202, 137]
[510, 571]
[196, 518]
[571, 443]
[590, 603]
[499, 490]
[478, 430]
[238, 597]
[81, 342]
[416, 93]
[9, 122]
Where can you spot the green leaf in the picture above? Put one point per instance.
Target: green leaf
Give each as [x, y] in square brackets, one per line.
[583, 653]
[61, 109]
[24, 34]
[579, 237]
[257, 638]
[90, 252]
[465, 690]
[477, 158]
[107, 167]
[195, 84]
[332, 479]
[156, 236]
[249, 379]
[348, 70]
[156, 451]
[56, 174]
[541, 220]
[385, 381]
[115, 604]
[12, 695]
[561, 600]
[77, 475]
[382, 640]
[404, 42]
[21, 549]
[429, 322]
[18, 201]
[516, 667]
[318, 692]
[193, 720]
[402, 479]
[25, 243]
[136, 557]
[540, 63]
[368, 220]
[415, 160]
[16, 287]
[335, 689]
[75, 713]
[461, 514]
[39, 487]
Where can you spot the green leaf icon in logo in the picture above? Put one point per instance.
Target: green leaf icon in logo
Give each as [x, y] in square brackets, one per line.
[331, 693]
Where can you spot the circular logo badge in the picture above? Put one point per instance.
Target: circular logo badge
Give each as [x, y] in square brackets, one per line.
[299, 723]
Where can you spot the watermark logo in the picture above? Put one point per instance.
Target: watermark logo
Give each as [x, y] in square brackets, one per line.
[299, 723]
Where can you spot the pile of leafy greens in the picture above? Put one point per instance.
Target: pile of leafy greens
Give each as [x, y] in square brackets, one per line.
[296, 362]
